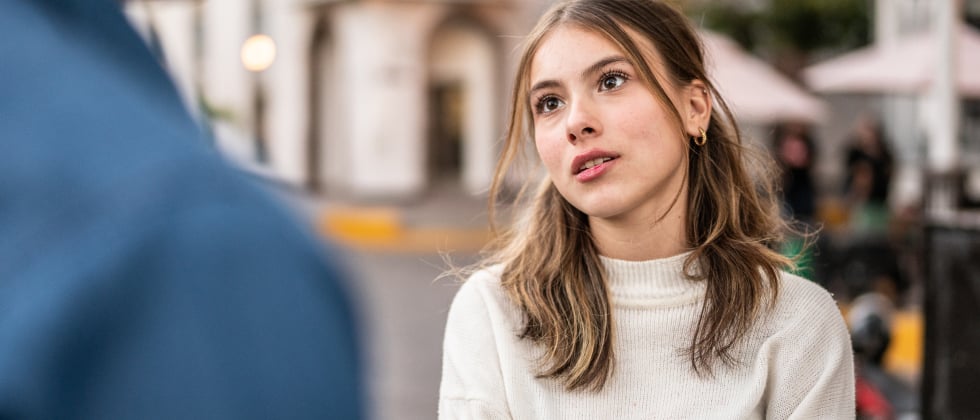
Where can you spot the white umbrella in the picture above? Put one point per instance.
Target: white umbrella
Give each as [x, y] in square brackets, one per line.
[906, 66]
[756, 92]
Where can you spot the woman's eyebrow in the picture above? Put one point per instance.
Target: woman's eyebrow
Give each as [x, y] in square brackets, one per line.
[586, 74]
[544, 84]
[595, 68]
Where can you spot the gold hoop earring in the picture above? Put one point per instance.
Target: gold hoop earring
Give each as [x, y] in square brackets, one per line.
[700, 141]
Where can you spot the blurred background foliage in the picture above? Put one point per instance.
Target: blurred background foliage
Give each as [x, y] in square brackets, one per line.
[789, 33]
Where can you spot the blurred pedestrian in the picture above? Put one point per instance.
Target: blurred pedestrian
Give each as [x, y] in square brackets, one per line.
[642, 283]
[870, 262]
[879, 393]
[140, 276]
[869, 173]
[795, 153]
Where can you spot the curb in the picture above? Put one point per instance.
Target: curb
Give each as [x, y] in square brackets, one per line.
[382, 229]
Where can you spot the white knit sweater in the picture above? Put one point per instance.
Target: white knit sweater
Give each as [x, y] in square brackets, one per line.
[795, 364]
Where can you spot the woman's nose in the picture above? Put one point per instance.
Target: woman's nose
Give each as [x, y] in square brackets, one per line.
[582, 121]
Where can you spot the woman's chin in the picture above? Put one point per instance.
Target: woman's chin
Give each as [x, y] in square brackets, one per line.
[601, 210]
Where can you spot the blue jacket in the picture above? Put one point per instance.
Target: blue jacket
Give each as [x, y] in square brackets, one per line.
[140, 276]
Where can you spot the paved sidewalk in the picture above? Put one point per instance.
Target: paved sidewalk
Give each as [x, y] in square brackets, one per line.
[442, 220]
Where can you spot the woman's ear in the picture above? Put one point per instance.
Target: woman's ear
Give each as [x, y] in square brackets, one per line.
[697, 112]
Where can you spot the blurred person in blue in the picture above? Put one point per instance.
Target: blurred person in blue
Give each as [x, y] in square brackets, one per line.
[140, 276]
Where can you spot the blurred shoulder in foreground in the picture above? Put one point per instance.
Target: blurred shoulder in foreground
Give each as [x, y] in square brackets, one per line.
[141, 276]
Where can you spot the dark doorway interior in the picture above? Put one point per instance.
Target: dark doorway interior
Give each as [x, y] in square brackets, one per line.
[445, 131]
[317, 103]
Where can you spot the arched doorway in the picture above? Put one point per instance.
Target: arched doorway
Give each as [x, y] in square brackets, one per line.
[462, 106]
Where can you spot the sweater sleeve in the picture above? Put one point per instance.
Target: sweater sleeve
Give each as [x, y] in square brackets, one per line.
[472, 384]
[812, 367]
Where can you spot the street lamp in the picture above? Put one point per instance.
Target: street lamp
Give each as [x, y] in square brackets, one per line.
[258, 52]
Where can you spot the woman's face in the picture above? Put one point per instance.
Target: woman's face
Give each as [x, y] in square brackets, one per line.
[610, 147]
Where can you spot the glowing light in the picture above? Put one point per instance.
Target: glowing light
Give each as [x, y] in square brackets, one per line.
[258, 52]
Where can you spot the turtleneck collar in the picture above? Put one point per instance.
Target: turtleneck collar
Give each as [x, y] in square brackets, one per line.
[651, 283]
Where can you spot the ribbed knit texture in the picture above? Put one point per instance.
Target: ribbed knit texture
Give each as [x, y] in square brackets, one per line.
[795, 363]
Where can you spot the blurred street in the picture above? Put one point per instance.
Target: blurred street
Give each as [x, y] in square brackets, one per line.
[396, 254]
[871, 113]
[380, 125]
[405, 313]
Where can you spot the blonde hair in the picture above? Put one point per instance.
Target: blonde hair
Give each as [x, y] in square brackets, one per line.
[551, 268]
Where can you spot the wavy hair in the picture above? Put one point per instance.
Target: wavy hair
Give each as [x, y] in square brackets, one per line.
[552, 269]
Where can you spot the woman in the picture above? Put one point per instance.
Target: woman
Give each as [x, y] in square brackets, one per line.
[643, 283]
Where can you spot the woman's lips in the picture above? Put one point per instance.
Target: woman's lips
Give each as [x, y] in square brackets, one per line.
[592, 164]
[594, 172]
[590, 158]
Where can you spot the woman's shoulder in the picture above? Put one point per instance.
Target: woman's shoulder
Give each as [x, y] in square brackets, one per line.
[481, 289]
[483, 281]
[796, 291]
[800, 299]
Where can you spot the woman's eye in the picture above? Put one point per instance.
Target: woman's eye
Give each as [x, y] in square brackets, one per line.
[611, 81]
[548, 104]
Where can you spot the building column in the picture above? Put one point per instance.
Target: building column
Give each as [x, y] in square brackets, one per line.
[944, 120]
[287, 88]
[380, 83]
[173, 25]
[226, 86]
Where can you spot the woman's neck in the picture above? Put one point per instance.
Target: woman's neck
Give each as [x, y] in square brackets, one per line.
[644, 238]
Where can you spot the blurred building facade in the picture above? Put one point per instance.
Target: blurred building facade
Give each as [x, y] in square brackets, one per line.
[390, 98]
[911, 119]
[373, 99]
